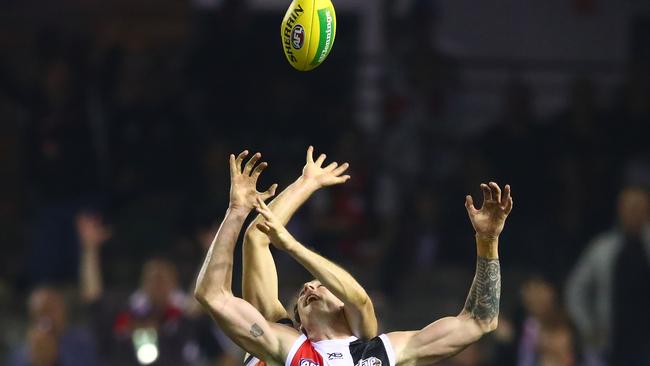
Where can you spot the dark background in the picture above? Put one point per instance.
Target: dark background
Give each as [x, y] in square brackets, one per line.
[130, 109]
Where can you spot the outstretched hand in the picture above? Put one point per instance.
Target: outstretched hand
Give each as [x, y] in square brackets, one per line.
[320, 177]
[273, 228]
[91, 230]
[243, 182]
[488, 221]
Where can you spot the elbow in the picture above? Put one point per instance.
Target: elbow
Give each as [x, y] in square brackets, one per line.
[200, 293]
[253, 234]
[213, 300]
[488, 326]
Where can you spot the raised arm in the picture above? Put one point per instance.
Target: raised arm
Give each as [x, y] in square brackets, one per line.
[260, 279]
[358, 308]
[92, 235]
[450, 335]
[236, 317]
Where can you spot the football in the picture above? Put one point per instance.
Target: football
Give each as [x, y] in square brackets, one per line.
[308, 32]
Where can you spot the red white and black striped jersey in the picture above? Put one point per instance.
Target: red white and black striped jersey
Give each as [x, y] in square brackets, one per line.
[338, 352]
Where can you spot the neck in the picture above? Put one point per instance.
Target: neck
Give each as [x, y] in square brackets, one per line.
[327, 329]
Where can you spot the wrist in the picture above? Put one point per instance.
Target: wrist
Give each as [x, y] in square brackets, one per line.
[487, 246]
[89, 248]
[292, 246]
[307, 184]
[239, 211]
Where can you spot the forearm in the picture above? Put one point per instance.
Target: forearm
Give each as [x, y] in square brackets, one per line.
[482, 305]
[284, 206]
[90, 275]
[215, 277]
[259, 274]
[335, 278]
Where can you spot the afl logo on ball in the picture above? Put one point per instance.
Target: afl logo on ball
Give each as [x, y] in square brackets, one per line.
[298, 36]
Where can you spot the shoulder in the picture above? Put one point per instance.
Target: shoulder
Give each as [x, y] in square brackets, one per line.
[603, 245]
[303, 353]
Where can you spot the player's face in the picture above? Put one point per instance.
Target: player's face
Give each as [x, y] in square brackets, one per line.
[315, 298]
[47, 308]
[159, 281]
[633, 210]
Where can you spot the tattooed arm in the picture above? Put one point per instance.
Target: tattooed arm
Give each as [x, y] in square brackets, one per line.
[236, 317]
[450, 335]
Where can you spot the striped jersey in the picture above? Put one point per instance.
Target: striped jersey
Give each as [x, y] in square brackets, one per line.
[337, 352]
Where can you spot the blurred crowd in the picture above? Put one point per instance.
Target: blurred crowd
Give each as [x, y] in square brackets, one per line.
[115, 147]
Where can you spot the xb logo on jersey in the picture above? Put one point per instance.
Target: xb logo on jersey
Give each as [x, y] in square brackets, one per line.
[308, 362]
[372, 361]
[334, 356]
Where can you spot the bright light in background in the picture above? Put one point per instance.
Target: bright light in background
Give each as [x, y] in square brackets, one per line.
[145, 343]
[147, 353]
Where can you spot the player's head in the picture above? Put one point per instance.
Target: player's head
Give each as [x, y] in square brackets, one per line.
[47, 309]
[633, 209]
[316, 304]
[159, 280]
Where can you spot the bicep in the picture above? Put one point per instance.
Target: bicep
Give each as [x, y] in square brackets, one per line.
[245, 326]
[439, 340]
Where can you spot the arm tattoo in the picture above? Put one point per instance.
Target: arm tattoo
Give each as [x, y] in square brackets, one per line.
[483, 299]
[256, 331]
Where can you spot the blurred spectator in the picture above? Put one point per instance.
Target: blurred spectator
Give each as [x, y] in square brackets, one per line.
[153, 327]
[542, 335]
[50, 340]
[606, 296]
[547, 337]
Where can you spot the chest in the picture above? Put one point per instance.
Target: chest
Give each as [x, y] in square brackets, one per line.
[352, 354]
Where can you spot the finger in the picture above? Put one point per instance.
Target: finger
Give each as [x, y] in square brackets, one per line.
[342, 179]
[331, 167]
[320, 160]
[269, 192]
[310, 154]
[340, 170]
[263, 209]
[263, 212]
[509, 205]
[469, 205]
[496, 192]
[248, 168]
[263, 228]
[239, 159]
[259, 169]
[506, 196]
[233, 166]
[487, 193]
[261, 204]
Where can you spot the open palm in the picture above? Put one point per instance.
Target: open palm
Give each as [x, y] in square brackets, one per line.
[330, 175]
[243, 182]
[488, 221]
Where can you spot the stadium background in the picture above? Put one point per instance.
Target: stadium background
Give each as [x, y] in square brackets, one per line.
[128, 109]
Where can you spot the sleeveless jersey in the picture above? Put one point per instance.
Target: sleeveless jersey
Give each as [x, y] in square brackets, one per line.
[338, 352]
[342, 352]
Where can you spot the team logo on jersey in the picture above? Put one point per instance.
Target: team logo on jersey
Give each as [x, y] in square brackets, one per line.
[334, 356]
[372, 361]
[307, 362]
